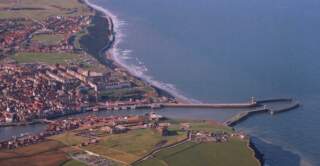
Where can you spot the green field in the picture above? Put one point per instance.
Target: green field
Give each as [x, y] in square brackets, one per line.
[232, 153]
[130, 146]
[48, 58]
[69, 139]
[45, 153]
[200, 125]
[48, 39]
[73, 163]
[41, 9]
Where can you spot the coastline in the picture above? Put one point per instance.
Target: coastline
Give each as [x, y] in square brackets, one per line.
[274, 136]
[256, 153]
[111, 53]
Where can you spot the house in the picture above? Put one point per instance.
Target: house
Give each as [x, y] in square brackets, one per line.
[119, 129]
[185, 126]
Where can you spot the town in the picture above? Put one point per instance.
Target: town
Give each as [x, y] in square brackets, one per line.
[41, 91]
[56, 63]
[45, 73]
[20, 34]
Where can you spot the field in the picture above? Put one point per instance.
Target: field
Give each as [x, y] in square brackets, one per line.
[73, 163]
[126, 148]
[84, 61]
[48, 58]
[131, 146]
[45, 153]
[235, 152]
[69, 139]
[200, 125]
[48, 39]
[41, 9]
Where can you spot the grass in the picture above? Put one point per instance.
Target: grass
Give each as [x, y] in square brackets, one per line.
[69, 139]
[45, 9]
[235, 152]
[200, 125]
[130, 146]
[206, 126]
[73, 163]
[124, 93]
[48, 58]
[48, 39]
[115, 94]
[78, 36]
[45, 153]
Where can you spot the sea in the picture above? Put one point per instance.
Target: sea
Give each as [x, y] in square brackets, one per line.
[215, 51]
[218, 51]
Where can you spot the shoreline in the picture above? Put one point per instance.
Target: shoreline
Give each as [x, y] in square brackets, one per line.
[111, 49]
[111, 53]
[259, 156]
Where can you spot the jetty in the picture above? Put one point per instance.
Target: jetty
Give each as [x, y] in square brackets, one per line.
[253, 103]
[244, 115]
[217, 106]
[251, 107]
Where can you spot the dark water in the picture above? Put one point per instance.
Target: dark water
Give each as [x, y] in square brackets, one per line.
[8, 132]
[230, 50]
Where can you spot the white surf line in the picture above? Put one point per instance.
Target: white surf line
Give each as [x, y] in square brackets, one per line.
[138, 71]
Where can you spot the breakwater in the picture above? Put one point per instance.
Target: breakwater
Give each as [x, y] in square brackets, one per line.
[259, 106]
[244, 115]
[218, 106]
[274, 100]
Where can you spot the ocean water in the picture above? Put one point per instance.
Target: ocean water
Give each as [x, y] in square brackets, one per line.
[230, 50]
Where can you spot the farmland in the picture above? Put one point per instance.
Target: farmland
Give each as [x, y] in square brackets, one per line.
[45, 153]
[130, 146]
[180, 146]
[41, 9]
[48, 39]
[48, 58]
[232, 153]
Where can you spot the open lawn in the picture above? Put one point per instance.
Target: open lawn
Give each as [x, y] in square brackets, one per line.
[48, 39]
[73, 163]
[45, 153]
[41, 9]
[48, 58]
[128, 147]
[131, 146]
[232, 153]
[83, 60]
[69, 139]
[207, 126]
[200, 125]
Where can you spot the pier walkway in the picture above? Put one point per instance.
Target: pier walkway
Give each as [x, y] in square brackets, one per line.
[256, 106]
[226, 105]
[244, 115]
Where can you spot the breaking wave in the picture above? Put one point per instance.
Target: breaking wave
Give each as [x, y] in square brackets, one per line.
[122, 56]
